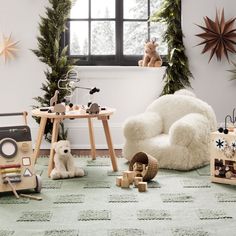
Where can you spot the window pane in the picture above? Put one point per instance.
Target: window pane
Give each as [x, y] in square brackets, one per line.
[103, 37]
[79, 9]
[135, 9]
[156, 31]
[154, 6]
[135, 34]
[79, 38]
[103, 8]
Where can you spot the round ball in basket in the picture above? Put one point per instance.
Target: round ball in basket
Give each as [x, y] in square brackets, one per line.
[149, 161]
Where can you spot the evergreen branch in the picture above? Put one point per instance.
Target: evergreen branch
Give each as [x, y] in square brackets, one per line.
[177, 72]
[51, 28]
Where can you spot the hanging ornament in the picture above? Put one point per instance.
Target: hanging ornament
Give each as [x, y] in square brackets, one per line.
[219, 36]
[8, 48]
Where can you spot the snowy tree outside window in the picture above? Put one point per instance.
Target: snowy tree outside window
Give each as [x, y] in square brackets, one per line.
[115, 28]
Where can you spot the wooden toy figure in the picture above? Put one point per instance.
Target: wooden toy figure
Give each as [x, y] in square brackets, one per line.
[54, 99]
[138, 168]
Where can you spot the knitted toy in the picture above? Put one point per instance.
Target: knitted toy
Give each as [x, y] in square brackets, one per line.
[151, 57]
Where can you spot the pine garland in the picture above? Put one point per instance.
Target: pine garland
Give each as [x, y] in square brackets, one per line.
[51, 28]
[177, 72]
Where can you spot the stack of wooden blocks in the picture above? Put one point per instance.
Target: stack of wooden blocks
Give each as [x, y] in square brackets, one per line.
[129, 178]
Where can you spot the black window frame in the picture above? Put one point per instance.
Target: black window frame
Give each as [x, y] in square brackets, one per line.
[118, 59]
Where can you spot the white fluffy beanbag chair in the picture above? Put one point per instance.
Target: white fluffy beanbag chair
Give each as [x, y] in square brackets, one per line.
[175, 129]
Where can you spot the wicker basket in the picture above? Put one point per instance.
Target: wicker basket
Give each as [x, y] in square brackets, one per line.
[148, 160]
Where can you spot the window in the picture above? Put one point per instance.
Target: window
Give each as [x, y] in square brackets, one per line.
[111, 32]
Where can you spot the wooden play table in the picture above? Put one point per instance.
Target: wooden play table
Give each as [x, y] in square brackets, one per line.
[103, 115]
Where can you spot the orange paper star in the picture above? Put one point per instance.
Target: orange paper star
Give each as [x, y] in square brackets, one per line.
[8, 48]
[219, 36]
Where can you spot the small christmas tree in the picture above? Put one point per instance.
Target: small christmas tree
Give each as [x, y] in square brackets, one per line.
[177, 72]
[49, 52]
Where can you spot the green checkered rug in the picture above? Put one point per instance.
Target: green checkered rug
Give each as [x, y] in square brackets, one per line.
[176, 204]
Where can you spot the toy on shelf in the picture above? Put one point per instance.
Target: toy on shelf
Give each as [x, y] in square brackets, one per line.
[151, 57]
[16, 158]
[223, 148]
[58, 108]
[54, 99]
[93, 109]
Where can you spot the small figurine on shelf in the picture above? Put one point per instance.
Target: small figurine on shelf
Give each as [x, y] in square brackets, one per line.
[54, 99]
[93, 109]
[151, 57]
[58, 108]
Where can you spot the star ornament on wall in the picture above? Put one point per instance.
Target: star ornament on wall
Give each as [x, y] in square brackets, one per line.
[8, 48]
[219, 36]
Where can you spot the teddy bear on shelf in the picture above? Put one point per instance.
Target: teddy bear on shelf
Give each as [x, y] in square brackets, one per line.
[151, 57]
[64, 162]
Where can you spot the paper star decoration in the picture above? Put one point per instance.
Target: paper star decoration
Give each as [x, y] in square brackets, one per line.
[219, 36]
[8, 48]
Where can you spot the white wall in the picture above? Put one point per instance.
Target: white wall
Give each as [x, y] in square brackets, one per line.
[128, 89]
[211, 80]
[20, 80]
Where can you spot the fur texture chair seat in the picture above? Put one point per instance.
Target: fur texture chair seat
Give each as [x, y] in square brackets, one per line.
[175, 129]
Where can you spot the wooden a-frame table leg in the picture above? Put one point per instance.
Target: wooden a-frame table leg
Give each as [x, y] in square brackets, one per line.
[55, 130]
[91, 138]
[42, 125]
[109, 143]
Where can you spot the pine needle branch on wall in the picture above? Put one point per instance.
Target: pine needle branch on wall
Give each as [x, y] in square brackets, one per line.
[177, 72]
[49, 52]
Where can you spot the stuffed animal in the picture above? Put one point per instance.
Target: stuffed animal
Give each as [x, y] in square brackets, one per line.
[151, 57]
[64, 162]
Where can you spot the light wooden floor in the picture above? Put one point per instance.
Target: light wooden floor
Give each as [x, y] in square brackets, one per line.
[99, 152]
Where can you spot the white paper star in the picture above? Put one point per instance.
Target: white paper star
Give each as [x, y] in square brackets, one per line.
[8, 48]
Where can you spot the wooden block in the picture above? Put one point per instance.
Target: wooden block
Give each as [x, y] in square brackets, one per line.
[118, 181]
[124, 183]
[130, 175]
[142, 186]
[137, 180]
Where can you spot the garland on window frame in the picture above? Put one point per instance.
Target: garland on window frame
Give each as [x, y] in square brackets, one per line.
[177, 72]
[51, 28]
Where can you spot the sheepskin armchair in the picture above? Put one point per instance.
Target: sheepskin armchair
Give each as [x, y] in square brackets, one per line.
[175, 129]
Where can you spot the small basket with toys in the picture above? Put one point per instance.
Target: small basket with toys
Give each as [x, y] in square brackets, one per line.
[144, 165]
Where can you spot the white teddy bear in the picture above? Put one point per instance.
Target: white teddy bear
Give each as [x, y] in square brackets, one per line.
[64, 162]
